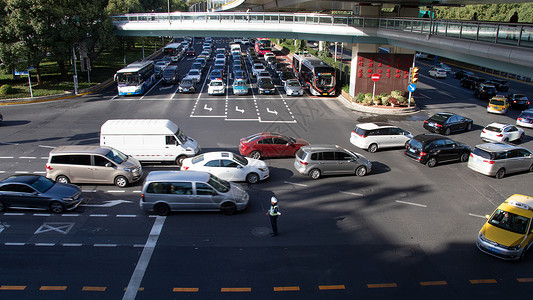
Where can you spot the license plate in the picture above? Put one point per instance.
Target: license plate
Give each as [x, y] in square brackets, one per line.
[324, 94]
[185, 90]
[478, 160]
[432, 124]
[412, 150]
[494, 250]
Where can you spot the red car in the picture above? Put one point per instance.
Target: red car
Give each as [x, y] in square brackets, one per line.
[270, 144]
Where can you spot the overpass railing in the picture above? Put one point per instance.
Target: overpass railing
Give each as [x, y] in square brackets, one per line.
[492, 32]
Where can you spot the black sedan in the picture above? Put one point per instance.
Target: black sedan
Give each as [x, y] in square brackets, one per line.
[519, 101]
[445, 123]
[38, 192]
[431, 149]
[462, 73]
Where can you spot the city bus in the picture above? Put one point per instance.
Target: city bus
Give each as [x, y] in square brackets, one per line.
[174, 51]
[136, 78]
[262, 46]
[319, 77]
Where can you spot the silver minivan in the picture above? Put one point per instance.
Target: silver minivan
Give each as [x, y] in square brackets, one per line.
[318, 160]
[165, 191]
[498, 159]
[92, 164]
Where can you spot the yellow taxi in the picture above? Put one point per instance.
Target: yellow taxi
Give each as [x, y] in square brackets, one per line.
[498, 105]
[507, 233]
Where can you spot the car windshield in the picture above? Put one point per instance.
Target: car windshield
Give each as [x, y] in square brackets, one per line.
[168, 72]
[520, 97]
[482, 153]
[194, 72]
[526, 115]
[219, 184]
[186, 82]
[216, 83]
[116, 156]
[181, 136]
[239, 83]
[197, 159]
[509, 221]
[497, 102]
[241, 160]
[42, 184]
[440, 118]
[293, 83]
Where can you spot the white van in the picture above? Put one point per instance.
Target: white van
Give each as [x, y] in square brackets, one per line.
[235, 49]
[148, 139]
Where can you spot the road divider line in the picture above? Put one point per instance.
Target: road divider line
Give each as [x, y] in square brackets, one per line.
[381, 285]
[477, 216]
[98, 215]
[12, 287]
[45, 244]
[22, 172]
[144, 259]
[7, 157]
[42, 215]
[186, 290]
[72, 245]
[410, 203]
[236, 290]
[126, 216]
[351, 193]
[14, 244]
[483, 281]
[331, 287]
[53, 288]
[524, 279]
[94, 288]
[105, 245]
[14, 214]
[430, 283]
[27, 157]
[70, 215]
[286, 288]
[115, 191]
[298, 184]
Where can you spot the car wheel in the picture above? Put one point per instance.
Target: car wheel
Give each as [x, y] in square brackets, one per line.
[314, 174]
[56, 207]
[62, 179]
[531, 168]
[373, 148]
[506, 140]
[500, 173]
[255, 154]
[252, 178]
[469, 127]
[228, 208]
[447, 131]
[2, 206]
[361, 171]
[121, 181]
[432, 161]
[161, 209]
[179, 160]
[464, 156]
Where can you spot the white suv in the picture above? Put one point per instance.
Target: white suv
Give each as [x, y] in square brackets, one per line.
[372, 136]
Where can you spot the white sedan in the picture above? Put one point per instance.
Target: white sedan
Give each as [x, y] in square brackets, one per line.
[437, 73]
[501, 132]
[228, 166]
[216, 87]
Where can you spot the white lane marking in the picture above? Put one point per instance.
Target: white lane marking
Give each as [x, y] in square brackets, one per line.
[105, 245]
[28, 157]
[14, 214]
[44, 146]
[115, 191]
[14, 244]
[22, 172]
[351, 193]
[136, 191]
[477, 216]
[138, 245]
[126, 216]
[72, 245]
[98, 215]
[89, 191]
[2, 171]
[142, 264]
[39, 172]
[45, 244]
[8, 157]
[70, 215]
[42, 215]
[411, 203]
[298, 184]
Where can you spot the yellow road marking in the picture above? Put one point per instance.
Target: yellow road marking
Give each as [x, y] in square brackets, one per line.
[94, 288]
[427, 283]
[12, 287]
[242, 289]
[140, 289]
[476, 281]
[381, 285]
[332, 287]
[185, 289]
[286, 288]
[53, 288]
[524, 279]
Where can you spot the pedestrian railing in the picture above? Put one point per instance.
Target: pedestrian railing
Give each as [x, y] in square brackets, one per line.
[520, 35]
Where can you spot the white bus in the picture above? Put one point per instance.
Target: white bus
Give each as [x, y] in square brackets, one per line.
[136, 78]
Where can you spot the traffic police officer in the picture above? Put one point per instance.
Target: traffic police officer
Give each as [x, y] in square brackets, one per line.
[274, 212]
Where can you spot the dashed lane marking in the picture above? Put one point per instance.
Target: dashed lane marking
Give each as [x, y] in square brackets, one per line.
[431, 283]
[236, 290]
[381, 285]
[351, 193]
[186, 290]
[482, 281]
[53, 288]
[12, 287]
[524, 279]
[410, 203]
[94, 288]
[286, 288]
[477, 216]
[298, 184]
[331, 287]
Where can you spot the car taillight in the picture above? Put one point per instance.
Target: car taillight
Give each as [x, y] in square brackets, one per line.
[303, 162]
[490, 162]
[425, 122]
[142, 197]
[48, 167]
[363, 136]
[471, 155]
[185, 168]
[520, 119]
[499, 135]
[439, 125]
[423, 153]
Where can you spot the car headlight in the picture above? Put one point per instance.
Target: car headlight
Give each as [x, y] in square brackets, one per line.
[68, 199]
[263, 169]
[513, 247]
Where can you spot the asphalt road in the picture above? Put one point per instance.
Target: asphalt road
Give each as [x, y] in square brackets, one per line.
[405, 231]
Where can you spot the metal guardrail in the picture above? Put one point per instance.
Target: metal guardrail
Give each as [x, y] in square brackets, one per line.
[520, 35]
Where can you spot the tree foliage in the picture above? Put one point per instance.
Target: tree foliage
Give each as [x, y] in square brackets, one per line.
[488, 12]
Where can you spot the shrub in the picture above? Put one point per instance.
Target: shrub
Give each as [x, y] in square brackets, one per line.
[368, 99]
[401, 99]
[346, 88]
[359, 98]
[6, 89]
[385, 100]
[396, 93]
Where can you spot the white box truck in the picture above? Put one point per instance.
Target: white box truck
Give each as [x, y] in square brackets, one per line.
[148, 139]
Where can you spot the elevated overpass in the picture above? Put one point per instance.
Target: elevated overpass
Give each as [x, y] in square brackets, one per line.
[499, 46]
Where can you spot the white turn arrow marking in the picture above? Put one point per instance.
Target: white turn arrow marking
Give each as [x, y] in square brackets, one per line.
[109, 203]
[208, 108]
[272, 111]
[239, 110]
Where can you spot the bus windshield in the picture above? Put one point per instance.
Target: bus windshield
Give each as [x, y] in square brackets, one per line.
[325, 80]
[128, 79]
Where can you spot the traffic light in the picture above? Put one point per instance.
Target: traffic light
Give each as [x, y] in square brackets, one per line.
[414, 75]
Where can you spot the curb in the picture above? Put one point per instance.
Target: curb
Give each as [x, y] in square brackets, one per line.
[378, 110]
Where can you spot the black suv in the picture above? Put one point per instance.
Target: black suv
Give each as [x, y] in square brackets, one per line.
[431, 149]
[471, 82]
[485, 91]
[500, 84]
[519, 101]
